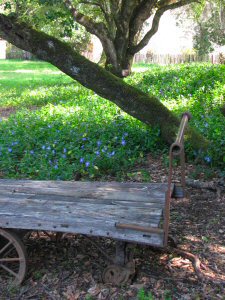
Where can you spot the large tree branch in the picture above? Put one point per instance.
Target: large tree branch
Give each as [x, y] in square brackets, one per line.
[136, 103]
[163, 7]
[107, 16]
[142, 12]
[123, 28]
[98, 29]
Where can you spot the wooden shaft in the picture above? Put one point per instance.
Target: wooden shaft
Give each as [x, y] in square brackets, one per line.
[139, 228]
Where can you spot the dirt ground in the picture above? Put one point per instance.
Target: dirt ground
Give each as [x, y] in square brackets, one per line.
[71, 268]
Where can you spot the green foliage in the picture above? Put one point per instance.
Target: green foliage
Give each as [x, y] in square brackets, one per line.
[61, 130]
[197, 88]
[210, 16]
[52, 17]
[142, 295]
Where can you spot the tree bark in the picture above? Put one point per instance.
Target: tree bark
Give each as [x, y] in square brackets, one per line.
[146, 108]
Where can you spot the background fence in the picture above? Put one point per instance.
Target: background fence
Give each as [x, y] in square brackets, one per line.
[167, 59]
[162, 59]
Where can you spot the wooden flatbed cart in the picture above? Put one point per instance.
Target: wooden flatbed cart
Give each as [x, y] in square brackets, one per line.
[127, 212]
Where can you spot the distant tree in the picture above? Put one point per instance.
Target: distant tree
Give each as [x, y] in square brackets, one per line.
[208, 21]
[210, 29]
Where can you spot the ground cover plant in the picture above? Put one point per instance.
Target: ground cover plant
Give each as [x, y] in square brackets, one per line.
[63, 131]
[197, 88]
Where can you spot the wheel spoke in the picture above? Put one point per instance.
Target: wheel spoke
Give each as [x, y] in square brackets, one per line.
[8, 252]
[10, 259]
[5, 247]
[8, 270]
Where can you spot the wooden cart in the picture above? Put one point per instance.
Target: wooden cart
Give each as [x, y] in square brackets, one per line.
[127, 212]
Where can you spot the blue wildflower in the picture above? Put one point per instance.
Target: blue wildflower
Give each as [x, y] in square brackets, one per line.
[84, 139]
[31, 152]
[53, 152]
[82, 147]
[43, 147]
[56, 167]
[63, 155]
[64, 150]
[87, 164]
[14, 143]
[99, 143]
[123, 142]
[10, 150]
[81, 160]
[97, 153]
[208, 159]
[48, 148]
[13, 132]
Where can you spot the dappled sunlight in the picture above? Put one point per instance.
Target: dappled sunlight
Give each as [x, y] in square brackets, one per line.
[193, 238]
[217, 248]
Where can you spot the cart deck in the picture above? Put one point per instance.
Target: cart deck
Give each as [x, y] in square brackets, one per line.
[92, 208]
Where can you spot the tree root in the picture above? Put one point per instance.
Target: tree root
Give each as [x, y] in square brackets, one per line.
[217, 187]
[197, 265]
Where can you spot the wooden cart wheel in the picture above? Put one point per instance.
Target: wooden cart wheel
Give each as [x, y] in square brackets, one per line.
[114, 274]
[118, 275]
[13, 258]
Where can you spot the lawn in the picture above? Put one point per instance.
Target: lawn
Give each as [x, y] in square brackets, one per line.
[60, 130]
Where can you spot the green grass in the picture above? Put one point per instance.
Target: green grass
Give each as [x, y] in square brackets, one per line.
[76, 133]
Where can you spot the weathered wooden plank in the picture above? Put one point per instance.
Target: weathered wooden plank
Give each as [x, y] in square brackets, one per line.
[83, 184]
[114, 207]
[90, 227]
[119, 191]
[124, 195]
[11, 197]
[85, 211]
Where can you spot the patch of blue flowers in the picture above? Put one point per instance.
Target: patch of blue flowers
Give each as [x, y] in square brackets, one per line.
[57, 142]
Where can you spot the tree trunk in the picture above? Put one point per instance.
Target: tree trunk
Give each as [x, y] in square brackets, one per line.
[146, 108]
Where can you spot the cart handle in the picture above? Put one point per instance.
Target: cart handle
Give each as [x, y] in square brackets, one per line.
[176, 149]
